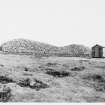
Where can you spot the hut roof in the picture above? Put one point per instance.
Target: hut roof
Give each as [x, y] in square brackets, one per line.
[97, 45]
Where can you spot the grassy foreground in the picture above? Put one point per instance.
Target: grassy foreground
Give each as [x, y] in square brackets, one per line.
[24, 78]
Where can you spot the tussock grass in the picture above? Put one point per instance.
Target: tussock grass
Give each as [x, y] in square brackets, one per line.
[4, 80]
[5, 94]
[97, 81]
[78, 68]
[33, 84]
[55, 73]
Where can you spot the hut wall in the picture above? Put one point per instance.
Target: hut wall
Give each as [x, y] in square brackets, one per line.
[103, 52]
[97, 52]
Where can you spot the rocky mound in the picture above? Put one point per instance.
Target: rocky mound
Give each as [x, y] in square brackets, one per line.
[37, 48]
[76, 50]
[27, 46]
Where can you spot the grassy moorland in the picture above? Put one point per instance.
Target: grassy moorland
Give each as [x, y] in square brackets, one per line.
[25, 78]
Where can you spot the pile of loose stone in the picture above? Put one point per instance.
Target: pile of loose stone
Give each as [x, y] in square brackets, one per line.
[37, 48]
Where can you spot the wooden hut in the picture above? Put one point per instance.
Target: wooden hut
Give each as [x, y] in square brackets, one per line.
[97, 51]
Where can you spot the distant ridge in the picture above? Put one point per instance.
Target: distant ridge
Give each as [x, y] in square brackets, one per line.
[26, 46]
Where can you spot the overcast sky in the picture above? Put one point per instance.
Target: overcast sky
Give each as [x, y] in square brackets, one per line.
[57, 22]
